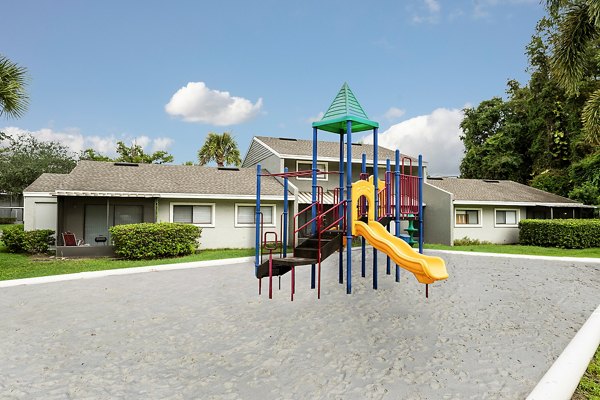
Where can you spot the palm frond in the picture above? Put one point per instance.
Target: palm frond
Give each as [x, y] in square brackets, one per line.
[591, 119]
[13, 97]
[576, 32]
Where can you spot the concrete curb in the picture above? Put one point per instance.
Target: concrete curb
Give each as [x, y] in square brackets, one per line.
[548, 258]
[123, 271]
[564, 375]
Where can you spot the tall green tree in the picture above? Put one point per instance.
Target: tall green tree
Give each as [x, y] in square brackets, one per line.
[26, 158]
[134, 154]
[220, 148]
[575, 62]
[13, 96]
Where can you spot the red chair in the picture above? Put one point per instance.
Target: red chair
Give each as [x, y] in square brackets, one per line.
[69, 239]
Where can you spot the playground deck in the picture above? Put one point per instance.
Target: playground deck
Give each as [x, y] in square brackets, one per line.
[490, 332]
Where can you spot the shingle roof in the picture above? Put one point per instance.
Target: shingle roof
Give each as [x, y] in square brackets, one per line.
[46, 183]
[96, 176]
[293, 148]
[496, 190]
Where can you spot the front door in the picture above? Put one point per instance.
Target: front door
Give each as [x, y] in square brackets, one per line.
[95, 223]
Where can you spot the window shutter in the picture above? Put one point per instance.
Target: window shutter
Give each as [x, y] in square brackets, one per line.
[245, 214]
[182, 214]
[202, 215]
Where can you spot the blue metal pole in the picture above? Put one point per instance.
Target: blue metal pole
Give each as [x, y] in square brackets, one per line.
[285, 212]
[388, 199]
[314, 199]
[349, 207]
[420, 204]
[375, 184]
[257, 221]
[341, 198]
[363, 261]
[397, 211]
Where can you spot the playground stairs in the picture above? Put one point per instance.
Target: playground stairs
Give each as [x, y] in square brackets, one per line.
[305, 253]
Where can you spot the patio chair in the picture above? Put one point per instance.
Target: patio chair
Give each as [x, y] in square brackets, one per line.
[69, 239]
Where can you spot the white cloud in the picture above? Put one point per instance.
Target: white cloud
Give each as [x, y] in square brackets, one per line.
[77, 142]
[394, 113]
[432, 10]
[195, 102]
[436, 136]
[315, 118]
[433, 6]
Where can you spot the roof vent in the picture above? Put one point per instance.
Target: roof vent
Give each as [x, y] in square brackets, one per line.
[126, 164]
[357, 144]
[491, 181]
[228, 168]
[435, 178]
[288, 139]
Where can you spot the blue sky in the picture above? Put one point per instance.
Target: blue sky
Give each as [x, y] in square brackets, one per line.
[106, 71]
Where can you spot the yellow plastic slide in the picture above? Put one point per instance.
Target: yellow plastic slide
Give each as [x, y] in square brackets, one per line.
[427, 269]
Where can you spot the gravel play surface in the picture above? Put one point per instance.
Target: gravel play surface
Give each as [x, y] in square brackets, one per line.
[489, 332]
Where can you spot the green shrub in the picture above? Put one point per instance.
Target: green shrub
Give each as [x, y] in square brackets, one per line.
[469, 242]
[19, 241]
[7, 220]
[154, 240]
[563, 233]
[13, 237]
[38, 241]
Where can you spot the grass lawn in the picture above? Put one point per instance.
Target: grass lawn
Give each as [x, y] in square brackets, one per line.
[589, 387]
[517, 249]
[16, 266]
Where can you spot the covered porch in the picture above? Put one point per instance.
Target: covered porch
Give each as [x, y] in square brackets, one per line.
[90, 216]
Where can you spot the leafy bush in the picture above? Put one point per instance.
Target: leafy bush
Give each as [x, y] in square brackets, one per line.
[587, 193]
[563, 233]
[13, 237]
[38, 241]
[154, 240]
[469, 242]
[7, 220]
[19, 241]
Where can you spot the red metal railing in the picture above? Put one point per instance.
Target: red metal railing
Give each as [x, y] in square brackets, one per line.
[409, 189]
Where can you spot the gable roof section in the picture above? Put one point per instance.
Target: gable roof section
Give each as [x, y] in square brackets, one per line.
[470, 191]
[301, 149]
[97, 178]
[46, 183]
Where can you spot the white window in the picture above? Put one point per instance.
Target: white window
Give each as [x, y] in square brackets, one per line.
[307, 166]
[467, 217]
[198, 214]
[508, 217]
[245, 215]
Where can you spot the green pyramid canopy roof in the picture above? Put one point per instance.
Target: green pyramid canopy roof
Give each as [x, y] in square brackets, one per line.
[345, 108]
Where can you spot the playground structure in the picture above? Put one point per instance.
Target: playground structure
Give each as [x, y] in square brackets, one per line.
[363, 208]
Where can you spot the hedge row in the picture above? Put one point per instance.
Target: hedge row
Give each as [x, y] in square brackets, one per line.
[564, 233]
[19, 241]
[154, 240]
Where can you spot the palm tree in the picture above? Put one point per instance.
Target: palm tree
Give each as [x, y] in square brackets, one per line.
[578, 33]
[219, 148]
[13, 97]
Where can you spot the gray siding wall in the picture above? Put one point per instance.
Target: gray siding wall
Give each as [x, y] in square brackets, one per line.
[31, 205]
[488, 231]
[225, 233]
[333, 180]
[438, 215]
